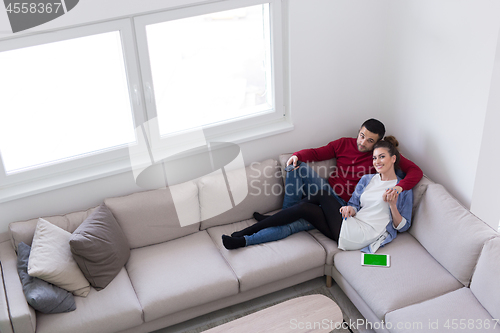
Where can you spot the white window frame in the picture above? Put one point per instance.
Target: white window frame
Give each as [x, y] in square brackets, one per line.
[114, 161]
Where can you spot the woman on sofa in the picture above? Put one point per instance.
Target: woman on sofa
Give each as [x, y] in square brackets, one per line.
[372, 217]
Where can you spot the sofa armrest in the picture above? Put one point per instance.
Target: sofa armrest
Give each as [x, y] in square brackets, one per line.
[5, 324]
[22, 316]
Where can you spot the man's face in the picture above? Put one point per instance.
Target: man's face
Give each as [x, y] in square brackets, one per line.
[366, 140]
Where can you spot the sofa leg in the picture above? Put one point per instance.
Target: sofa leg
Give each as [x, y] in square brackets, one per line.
[328, 281]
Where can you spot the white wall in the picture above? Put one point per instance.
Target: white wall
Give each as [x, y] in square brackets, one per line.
[486, 196]
[335, 52]
[440, 71]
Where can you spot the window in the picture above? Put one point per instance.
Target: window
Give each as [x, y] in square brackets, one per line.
[211, 68]
[63, 100]
[73, 99]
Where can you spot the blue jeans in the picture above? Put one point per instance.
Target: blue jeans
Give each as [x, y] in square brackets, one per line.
[276, 233]
[303, 181]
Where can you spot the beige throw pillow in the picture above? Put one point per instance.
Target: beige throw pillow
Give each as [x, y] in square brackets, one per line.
[51, 259]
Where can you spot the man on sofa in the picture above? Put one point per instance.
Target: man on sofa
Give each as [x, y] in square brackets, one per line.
[354, 159]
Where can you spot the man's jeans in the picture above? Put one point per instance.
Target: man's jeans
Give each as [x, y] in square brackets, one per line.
[301, 182]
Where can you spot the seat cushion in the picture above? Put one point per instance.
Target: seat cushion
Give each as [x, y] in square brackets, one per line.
[484, 283]
[331, 247]
[179, 274]
[112, 309]
[450, 232]
[260, 264]
[414, 276]
[456, 311]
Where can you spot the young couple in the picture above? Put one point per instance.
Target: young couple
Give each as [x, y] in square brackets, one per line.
[363, 205]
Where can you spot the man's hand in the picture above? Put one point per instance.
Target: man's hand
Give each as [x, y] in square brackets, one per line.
[347, 211]
[292, 160]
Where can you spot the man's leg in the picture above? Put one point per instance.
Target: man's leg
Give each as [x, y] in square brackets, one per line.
[301, 182]
[277, 233]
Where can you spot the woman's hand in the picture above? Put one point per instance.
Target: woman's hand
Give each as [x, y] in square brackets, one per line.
[391, 196]
[347, 211]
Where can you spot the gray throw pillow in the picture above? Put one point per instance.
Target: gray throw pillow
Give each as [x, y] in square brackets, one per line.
[41, 295]
[100, 247]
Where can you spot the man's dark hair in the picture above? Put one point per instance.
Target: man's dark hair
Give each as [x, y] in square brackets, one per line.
[375, 126]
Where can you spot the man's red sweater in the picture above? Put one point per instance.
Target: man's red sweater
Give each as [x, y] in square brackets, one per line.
[353, 164]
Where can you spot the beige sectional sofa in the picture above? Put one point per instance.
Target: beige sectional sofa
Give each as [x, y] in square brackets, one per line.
[440, 266]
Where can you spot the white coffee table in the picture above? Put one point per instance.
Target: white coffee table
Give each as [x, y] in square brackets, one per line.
[311, 313]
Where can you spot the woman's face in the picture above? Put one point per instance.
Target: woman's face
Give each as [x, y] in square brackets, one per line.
[382, 160]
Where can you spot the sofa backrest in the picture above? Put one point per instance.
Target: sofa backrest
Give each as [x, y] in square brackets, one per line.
[23, 231]
[153, 217]
[258, 187]
[449, 232]
[484, 284]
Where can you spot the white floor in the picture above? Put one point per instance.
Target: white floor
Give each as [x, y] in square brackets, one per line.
[344, 303]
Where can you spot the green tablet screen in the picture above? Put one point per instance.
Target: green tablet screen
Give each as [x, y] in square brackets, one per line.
[375, 259]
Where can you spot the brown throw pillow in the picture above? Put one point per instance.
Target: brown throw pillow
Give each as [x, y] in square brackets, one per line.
[100, 247]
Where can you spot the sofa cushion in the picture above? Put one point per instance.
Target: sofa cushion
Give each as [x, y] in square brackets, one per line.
[153, 217]
[257, 188]
[330, 246]
[100, 247]
[179, 274]
[414, 276]
[51, 260]
[260, 264]
[450, 232]
[485, 285]
[23, 231]
[456, 311]
[41, 295]
[112, 309]
[419, 191]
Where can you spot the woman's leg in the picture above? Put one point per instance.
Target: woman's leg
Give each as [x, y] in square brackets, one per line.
[307, 209]
[330, 206]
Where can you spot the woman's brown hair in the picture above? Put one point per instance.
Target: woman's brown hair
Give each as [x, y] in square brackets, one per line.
[391, 144]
